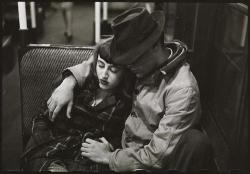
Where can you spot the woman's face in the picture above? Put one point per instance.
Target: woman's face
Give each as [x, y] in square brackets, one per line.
[109, 75]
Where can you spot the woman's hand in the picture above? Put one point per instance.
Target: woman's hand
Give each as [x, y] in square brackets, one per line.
[62, 95]
[99, 152]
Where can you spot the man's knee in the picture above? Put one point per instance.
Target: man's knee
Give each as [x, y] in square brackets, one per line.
[199, 150]
[193, 152]
[197, 141]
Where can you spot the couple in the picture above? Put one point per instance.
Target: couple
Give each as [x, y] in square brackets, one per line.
[154, 124]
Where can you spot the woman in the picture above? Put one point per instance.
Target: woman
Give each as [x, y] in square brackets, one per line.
[100, 110]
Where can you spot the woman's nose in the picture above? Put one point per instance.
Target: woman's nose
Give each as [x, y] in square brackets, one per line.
[105, 74]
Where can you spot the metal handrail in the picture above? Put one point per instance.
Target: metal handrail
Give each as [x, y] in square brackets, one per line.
[240, 6]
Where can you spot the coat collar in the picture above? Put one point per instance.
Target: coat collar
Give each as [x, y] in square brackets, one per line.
[178, 55]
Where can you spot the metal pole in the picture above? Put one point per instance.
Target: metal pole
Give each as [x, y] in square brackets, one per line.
[22, 23]
[244, 31]
[33, 21]
[22, 16]
[105, 11]
[33, 14]
[97, 21]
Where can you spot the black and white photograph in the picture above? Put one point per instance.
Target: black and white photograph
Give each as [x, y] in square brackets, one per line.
[140, 87]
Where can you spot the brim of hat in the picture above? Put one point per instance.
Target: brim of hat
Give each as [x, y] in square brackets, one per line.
[123, 59]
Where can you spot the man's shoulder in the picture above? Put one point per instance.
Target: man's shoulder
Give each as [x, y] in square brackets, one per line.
[182, 78]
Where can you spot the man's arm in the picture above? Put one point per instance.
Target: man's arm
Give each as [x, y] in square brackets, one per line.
[182, 106]
[63, 94]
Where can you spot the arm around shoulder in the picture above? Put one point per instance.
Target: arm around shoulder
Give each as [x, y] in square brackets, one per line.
[80, 71]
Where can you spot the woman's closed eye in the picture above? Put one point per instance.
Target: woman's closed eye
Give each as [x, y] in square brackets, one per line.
[100, 64]
[111, 68]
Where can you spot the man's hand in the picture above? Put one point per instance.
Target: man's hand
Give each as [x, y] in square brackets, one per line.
[99, 152]
[63, 95]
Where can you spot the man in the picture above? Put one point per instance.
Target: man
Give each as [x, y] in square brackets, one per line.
[159, 132]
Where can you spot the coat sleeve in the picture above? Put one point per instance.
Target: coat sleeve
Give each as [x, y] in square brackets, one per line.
[80, 71]
[181, 110]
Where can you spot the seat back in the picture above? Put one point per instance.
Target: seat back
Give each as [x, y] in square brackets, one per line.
[40, 65]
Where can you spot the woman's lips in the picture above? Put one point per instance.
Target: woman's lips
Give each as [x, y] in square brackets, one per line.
[104, 82]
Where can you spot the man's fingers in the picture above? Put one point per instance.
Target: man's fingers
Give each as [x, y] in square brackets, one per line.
[86, 154]
[104, 140]
[107, 143]
[86, 145]
[69, 108]
[56, 111]
[48, 101]
[88, 140]
[51, 108]
[84, 149]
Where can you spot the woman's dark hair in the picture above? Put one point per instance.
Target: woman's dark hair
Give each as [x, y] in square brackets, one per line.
[128, 81]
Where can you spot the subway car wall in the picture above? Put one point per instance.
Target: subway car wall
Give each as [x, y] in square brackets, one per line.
[217, 38]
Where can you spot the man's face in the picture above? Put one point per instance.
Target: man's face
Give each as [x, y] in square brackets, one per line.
[145, 64]
[109, 75]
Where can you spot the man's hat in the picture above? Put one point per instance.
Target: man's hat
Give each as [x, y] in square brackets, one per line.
[135, 31]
